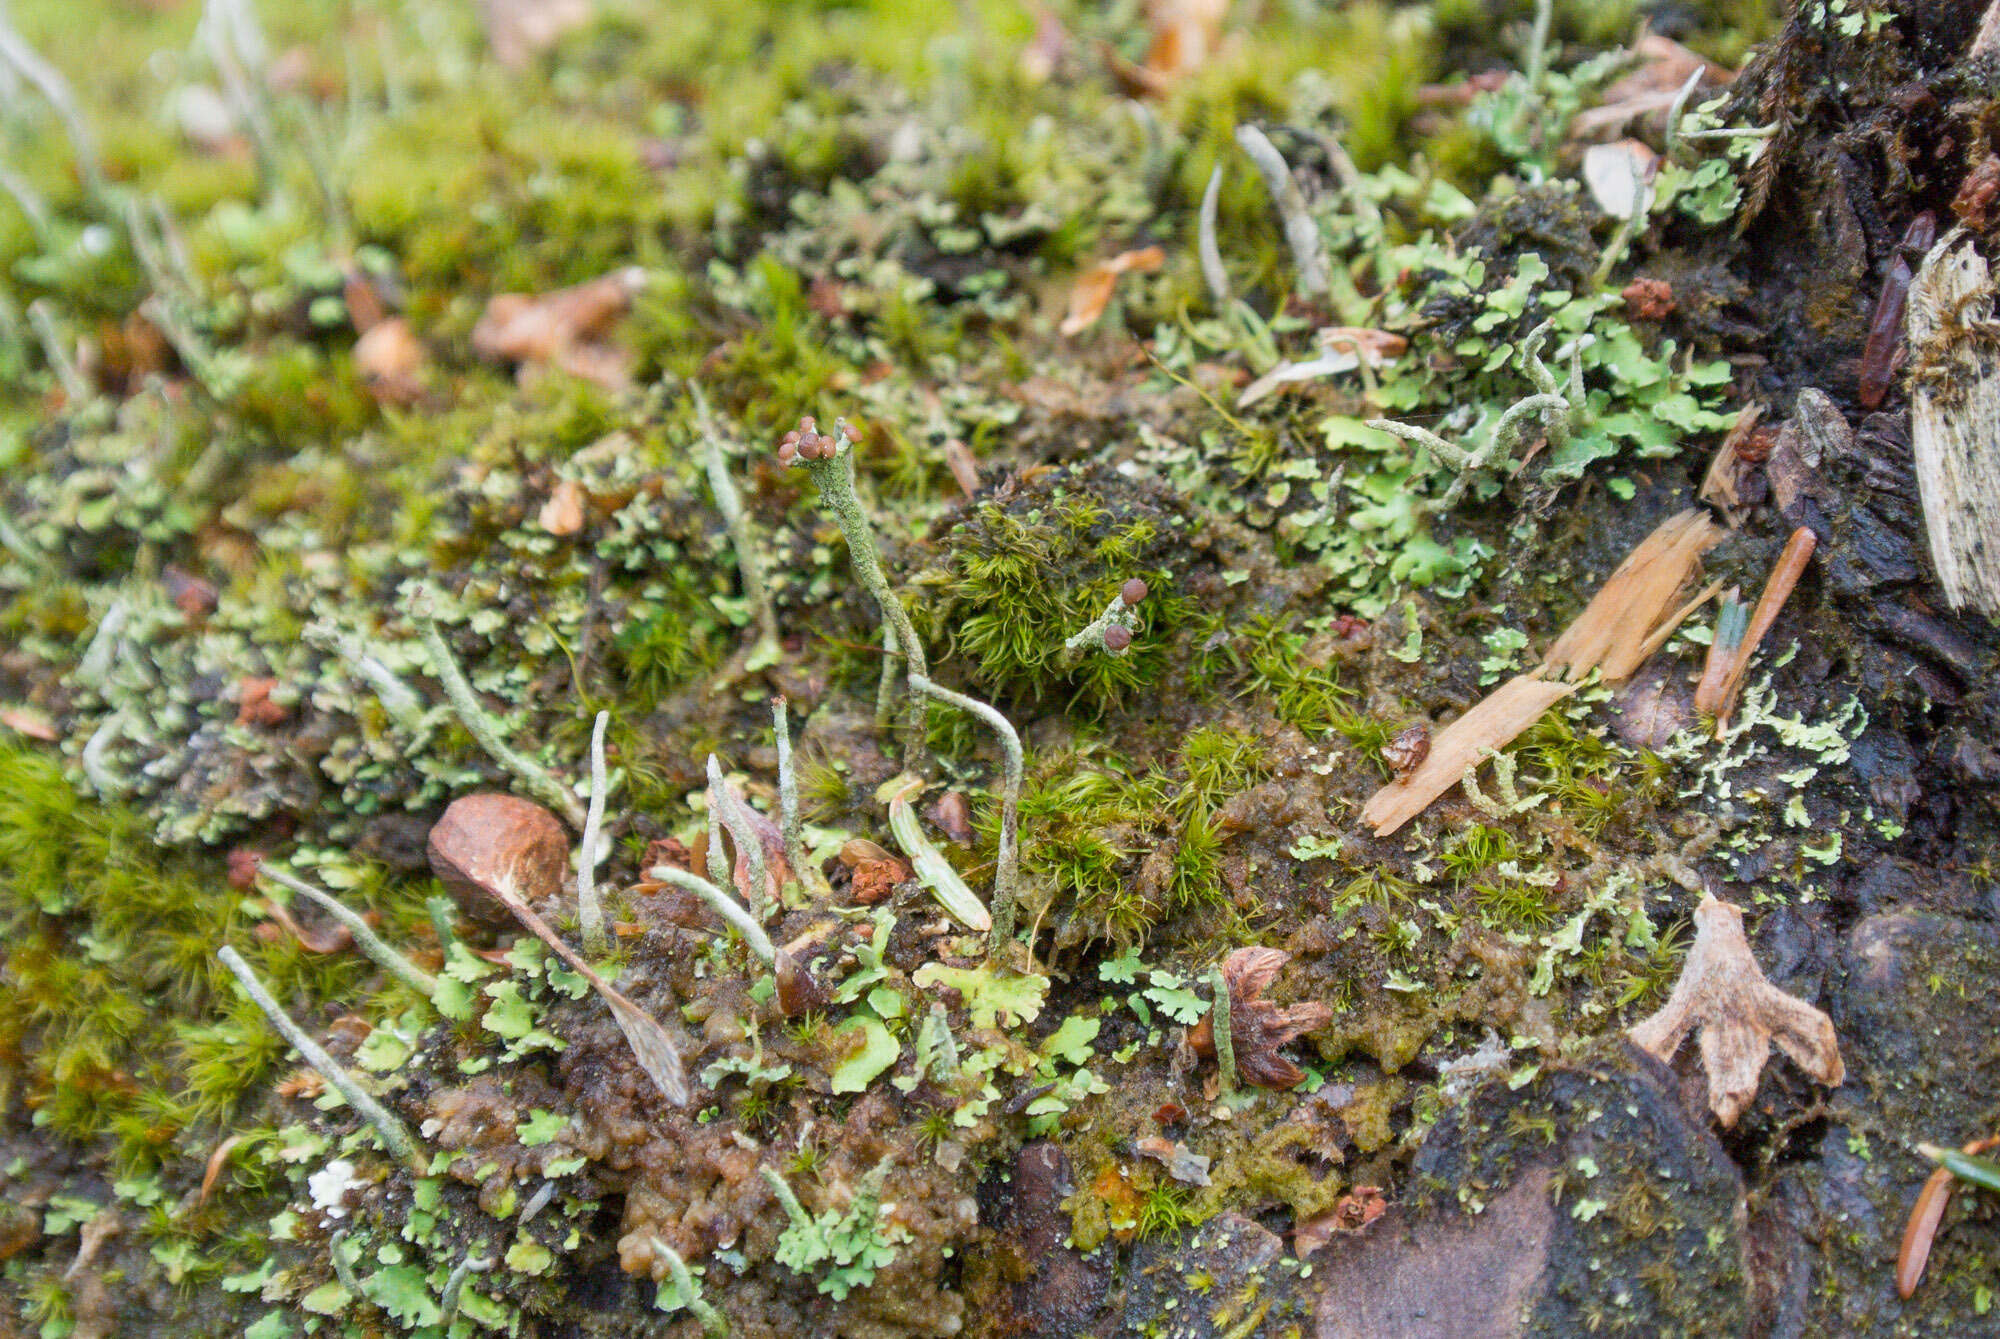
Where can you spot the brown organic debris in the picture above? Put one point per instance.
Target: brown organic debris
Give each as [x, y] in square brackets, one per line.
[562, 514]
[1955, 416]
[1092, 291]
[1638, 607]
[1407, 748]
[1729, 662]
[1356, 1210]
[489, 841]
[392, 361]
[520, 30]
[1723, 486]
[1925, 1217]
[567, 329]
[1722, 993]
[1257, 1027]
[1461, 746]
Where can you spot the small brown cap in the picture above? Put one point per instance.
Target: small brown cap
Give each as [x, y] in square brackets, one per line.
[490, 840]
[1132, 592]
[1117, 637]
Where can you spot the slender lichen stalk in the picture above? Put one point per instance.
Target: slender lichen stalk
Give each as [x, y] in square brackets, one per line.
[749, 846]
[482, 727]
[1206, 249]
[365, 938]
[589, 911]
[748, 564]
[712, 1323]
[830, 462]
[394, 1134]
[1006, 871]
[796, 854]
[1225, 1040]
[24, 60]
[1301, 233]
[723, 905]
[400, 700]
[42, 318]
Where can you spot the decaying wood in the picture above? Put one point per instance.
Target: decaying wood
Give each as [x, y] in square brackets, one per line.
[1954, 340]
[1635, 611]
[1722, 681]
[1719, 487]
[1722, 993]
[1490, 726]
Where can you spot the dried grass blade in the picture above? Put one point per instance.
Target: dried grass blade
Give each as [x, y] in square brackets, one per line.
[1492, 724]
[1921, 1231]
[1621, 625]
[651, 1045]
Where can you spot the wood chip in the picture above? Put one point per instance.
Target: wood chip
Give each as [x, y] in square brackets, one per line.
[1635, 611]
[1490, 726]
[1954, 340]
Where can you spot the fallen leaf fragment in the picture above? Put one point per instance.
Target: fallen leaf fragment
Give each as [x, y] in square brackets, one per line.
[565, 329]
[562, 514]
[655, 1050]
[1356, 1210]
[1620, 176]
[391, 361]
[490, 840]
[1723, 994]
[1920, 1233]
[1092, 291]
[1257, 1027]
[1722, 485]
[1346, 348]
[1634, 612]
[519, 30]
[1488, 727]
[1183, 1165]
[27, 721]
[1664, 70]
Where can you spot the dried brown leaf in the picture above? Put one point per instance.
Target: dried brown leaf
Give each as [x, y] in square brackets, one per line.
[27, 721]
[562, 514]
[519, 30]
[1092, 291]
[565, 329]
[1723, 994]
[1490, 725]
[1664, 69]
[651, 1045]
[1257, 1027]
